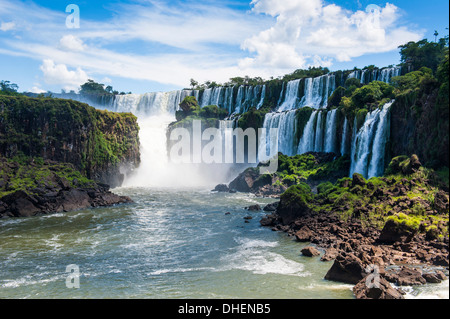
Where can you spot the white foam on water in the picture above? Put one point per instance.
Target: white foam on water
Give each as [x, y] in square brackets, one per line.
[428, 291]
[179, 270]
[254, 255]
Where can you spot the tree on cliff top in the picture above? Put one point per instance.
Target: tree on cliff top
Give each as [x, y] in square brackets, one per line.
[8, 88]
[423, 53]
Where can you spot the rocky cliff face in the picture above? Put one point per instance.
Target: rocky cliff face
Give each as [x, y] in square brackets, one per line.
[102, 145]
[419, 125]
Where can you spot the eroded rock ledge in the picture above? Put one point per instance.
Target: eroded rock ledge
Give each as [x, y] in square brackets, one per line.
[31, 189]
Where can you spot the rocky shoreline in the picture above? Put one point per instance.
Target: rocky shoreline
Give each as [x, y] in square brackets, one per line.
[393, 228]
[36, 189]
[358, 252]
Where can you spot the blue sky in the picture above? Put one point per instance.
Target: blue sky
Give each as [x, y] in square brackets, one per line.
[153, 45]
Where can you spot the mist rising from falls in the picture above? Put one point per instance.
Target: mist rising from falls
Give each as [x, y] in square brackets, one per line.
[155, 111]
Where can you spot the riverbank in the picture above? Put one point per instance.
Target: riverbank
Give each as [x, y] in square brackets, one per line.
[30, 187]
[395, 225]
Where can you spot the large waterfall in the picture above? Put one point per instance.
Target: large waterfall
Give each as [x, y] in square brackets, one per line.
[286, 124]
[320, 134]
[368, 147]
[383, 75]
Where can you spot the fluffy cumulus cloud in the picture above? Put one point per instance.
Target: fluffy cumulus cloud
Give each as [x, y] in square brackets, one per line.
[307, 33]
[59, 74]
[155, 41]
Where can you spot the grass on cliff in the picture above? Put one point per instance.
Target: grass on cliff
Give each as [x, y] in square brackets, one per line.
[403, 196]
[33, 175]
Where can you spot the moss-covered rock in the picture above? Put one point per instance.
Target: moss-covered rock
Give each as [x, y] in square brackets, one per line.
[98, 143]
[294, 203]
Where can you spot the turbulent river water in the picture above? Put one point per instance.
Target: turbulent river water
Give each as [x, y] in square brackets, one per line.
[171, 243]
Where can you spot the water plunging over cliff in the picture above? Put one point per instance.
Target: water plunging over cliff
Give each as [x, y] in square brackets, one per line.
[368, 149]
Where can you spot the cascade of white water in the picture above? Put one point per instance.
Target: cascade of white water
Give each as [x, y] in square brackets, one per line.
[281, 94]
[148, 103]
[263, 96]
[318, 140]
[344, 138]
[206, 98]
[286, 125]
[291, 98]
[313, 92]
[330, 129]
[376, 166]
[306, 143]
[367, 156]
[239, 99]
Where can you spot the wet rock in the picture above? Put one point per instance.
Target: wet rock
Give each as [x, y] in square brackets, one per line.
[410, 277]
[268, 220]
[254, 208]
[310, 251]
[382, 289]
[347, 268]
[271, 207]
[221, 188]
[432, 278]
[20, 204]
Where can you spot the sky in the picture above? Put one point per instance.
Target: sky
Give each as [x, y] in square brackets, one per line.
[153, 45]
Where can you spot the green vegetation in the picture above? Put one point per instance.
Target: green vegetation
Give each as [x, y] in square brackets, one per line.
[423, 53]
[253, 118]
[34, 175]
[66, 131]
[8, 88]
[402, 197]
[93, 88]
[190, 110]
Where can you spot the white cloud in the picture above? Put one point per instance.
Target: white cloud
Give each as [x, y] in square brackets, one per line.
[7, 26]
[169, 44]
[37, 90]
[71, 43]
[306, 33]
[58, 74]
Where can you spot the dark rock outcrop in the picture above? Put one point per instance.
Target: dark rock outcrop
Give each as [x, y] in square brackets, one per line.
[347, 268]
[34, 189]
[310, 251]
[381, 290]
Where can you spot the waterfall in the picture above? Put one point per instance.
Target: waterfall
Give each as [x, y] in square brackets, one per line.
[376, 167]
[286, 124]
[344, 138]
[306, 143]
[148, 103]
[367, 156]
[383, 75]
[291, 98]
[313, 92]
[318, 140]
[263, 96]
[281, 95]
[330, 138]
[206, 98]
